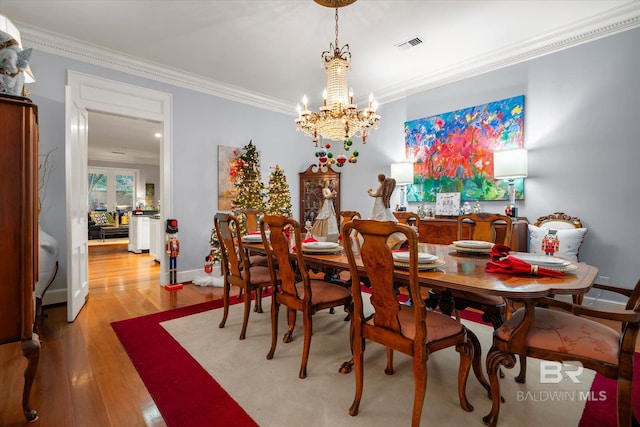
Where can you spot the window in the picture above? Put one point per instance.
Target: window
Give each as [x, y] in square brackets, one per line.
[112, 189]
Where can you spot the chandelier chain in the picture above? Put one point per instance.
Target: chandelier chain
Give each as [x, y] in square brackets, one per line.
[337, 28]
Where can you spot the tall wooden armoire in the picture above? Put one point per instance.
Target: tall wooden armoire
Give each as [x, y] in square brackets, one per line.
[19, 231]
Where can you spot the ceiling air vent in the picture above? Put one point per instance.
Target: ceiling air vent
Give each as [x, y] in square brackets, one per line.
[408, 44]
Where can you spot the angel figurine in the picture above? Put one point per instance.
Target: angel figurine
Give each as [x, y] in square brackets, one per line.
[382, 207]
[13, 61]
[325, 227]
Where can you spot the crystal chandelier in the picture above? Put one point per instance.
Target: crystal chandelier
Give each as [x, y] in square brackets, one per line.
[338, 119]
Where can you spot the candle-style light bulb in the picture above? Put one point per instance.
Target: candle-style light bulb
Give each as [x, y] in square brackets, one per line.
[350, 95]
[305, 100]
[370, 99]
[324, 97]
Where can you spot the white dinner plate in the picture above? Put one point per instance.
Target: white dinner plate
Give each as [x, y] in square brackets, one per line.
[421, 266]
[543, 260]
[320, 245]
[423, 257]
[253, 238]
[476, 251]
[473, 244]
[321, 250]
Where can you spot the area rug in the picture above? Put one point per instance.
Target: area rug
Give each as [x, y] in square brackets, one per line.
[183, 391]
[179, 353]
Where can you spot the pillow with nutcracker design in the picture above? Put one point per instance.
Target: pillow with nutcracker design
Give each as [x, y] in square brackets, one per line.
[563, 243]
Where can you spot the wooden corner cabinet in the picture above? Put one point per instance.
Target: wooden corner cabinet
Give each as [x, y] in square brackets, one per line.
[311, 183]
[19, 231]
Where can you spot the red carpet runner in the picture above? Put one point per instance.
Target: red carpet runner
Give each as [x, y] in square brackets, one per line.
[184, 392]
[186, 395]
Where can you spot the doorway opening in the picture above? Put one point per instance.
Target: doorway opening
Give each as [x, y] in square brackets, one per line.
[85, 95]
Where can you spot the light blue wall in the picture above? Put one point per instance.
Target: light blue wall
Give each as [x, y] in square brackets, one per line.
[200, 123]
[582, 108]
[581, 129]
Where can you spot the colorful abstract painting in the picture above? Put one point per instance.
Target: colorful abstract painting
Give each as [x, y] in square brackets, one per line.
[226, 176]
[453, 152]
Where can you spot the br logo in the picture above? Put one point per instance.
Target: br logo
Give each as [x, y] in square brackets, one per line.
[555, 372]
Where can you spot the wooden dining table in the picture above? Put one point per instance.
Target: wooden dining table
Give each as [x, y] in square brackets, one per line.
[466, 272]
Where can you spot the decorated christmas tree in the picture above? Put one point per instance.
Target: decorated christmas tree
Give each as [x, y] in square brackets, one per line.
[278, 194]
[248, 183]
[245, 170]
[249, 187]
[214, 252]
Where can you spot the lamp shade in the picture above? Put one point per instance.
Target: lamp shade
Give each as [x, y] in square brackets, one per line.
[402, 173]
[510, 164]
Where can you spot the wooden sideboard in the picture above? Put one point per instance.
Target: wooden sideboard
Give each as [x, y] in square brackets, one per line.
[19, 231]
[445, 230]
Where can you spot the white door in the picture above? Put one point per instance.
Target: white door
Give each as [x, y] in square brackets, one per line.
[76, 136]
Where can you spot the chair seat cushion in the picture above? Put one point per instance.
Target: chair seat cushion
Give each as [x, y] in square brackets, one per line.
[438, 325]
[258, 260]
[323, 292]
[566, 333]
[260, 274]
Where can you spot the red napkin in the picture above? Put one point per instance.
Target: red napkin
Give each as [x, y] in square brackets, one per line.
[513, 265]
[499, 251]
[309, 240]
[255, 232]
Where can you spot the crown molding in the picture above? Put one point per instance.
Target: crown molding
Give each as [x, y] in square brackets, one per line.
[75, 49]
[621, 19]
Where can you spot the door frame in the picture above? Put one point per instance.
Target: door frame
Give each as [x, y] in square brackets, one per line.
[110, 96]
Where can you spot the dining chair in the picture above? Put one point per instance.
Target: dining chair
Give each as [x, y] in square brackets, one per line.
[559, 220]
[250, 219]
[293, 287]
[412, 330]
[560, 333]
[482, 226]
[346, 216]
[409, 218]
[236, 269]
[569, 230]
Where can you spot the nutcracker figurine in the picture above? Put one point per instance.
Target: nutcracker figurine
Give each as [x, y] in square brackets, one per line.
[550, 243]
[172, 247]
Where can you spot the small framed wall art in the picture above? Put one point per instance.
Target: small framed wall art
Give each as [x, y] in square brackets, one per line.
[447, 204]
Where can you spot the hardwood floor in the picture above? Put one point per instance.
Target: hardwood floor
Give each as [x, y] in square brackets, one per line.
[85, 377]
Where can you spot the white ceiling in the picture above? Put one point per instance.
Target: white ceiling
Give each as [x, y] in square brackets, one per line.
[268, 52]
[123, 139]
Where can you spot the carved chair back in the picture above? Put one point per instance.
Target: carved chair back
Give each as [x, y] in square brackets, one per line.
[483, 226]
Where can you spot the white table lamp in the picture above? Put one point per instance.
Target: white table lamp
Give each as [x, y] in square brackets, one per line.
[510, 164]
[403, 174]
